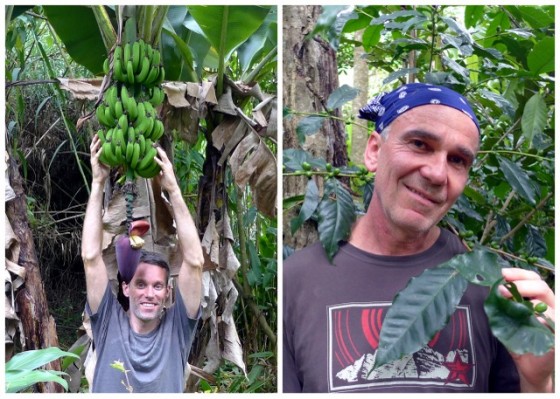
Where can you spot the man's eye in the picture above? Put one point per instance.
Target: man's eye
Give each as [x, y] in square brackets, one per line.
[418, 144]
[457, 160]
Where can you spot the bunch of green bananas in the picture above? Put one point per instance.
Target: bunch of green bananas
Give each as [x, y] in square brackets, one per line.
[128, 110]
[136, 63]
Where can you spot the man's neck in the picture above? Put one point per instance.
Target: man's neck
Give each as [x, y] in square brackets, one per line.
[377, 238]
[142, 327]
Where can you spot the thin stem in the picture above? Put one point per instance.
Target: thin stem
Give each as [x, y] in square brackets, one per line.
[525, 219]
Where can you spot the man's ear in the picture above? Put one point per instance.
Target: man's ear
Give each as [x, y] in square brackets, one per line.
[371, 153]
[125, 289]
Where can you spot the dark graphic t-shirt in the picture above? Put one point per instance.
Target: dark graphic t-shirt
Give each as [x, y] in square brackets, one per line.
[333, 316]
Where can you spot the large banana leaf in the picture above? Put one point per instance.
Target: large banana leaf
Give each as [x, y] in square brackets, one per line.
[227, 27]
[78, 29]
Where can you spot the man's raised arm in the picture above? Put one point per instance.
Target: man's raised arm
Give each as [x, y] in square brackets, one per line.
[190, 274]
[92, 234]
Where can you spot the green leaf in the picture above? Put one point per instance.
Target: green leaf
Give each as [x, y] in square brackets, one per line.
[341, 96]
[336, 214]
[262, 41]
[418, 312]
[536, 17]
[473, 15]
[19, 380]
[541, 59]
[533, 120]
[309, 125]
[33, 359]
[535, 243]
[500, 101]
[77, 28]
[518, 179]
[480, 266]
[227, 27]
[309, 205]
[515, 325]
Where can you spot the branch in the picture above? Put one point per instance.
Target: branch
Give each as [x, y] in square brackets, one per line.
[525, 219]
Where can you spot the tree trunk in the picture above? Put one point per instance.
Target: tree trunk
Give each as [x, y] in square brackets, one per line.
[39, 328]
[310, 75]
[361, 81]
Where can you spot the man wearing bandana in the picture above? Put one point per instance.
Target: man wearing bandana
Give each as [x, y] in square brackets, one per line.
[425, 141]
[148, 341]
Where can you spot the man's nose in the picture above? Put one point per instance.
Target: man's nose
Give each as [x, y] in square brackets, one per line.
[435, 170]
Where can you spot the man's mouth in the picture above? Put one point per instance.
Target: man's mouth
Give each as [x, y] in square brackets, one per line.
[148, 304]
[427, 197]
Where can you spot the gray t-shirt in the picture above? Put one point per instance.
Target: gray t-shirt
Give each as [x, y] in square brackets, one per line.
[156, 360]
[333, 316]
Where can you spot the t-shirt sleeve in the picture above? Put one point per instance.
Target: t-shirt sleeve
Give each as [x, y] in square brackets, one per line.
[181, 317]
[503, 373]
[100, 319]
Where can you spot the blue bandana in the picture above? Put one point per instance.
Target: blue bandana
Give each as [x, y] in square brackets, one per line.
[386, 107]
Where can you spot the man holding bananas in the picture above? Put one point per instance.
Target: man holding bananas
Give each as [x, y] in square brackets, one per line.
[149, 343]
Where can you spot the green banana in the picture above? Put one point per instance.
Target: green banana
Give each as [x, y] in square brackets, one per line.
[101, 116]
[118, 109]
[123, 123]
[142, 143]
[117, 54]
[149, 52]
[161, 76]
[156, 58]
[108, 155]
[135, 56]
[131, 134]
[152, 76]
[124, 95]
[118, 148]
[109, 135]
[101, 135]
[128, 153]
[150, 128]
[118, 137]
[130, 72]
[117, 71]
[149, 172]
[158, 130]
[150, 111]
[157, 97]
[147, 159]
[141, 115]
[143, 74]
[126, 54]
[132, 109]
[142, 46]
[109, 116]
[106, 66]
[135, 155]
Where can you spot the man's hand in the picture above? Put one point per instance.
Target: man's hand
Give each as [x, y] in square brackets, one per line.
[99, 171]
[166, 177]
[535, 371]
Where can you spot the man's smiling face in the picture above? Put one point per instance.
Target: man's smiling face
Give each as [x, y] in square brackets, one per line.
[421, 166]
[147, 291]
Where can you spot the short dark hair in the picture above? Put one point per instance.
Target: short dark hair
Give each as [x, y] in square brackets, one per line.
[154, 258]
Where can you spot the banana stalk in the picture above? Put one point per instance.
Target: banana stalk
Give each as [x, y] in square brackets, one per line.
[108, 34]
[148, 19]
[159, 18]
